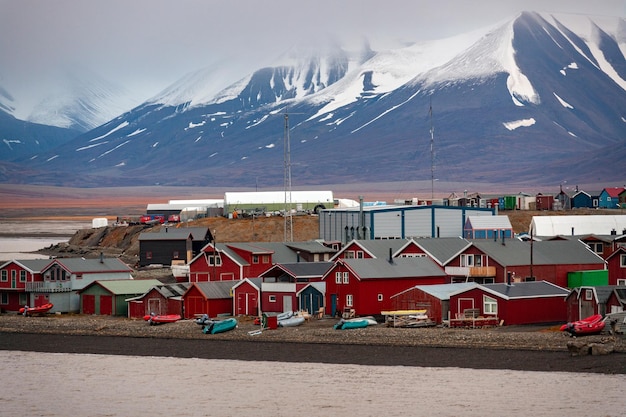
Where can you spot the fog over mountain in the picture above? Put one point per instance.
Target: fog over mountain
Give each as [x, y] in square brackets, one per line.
[536, 99]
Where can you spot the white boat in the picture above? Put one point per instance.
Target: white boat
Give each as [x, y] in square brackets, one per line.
[371, 321]
[291, 322]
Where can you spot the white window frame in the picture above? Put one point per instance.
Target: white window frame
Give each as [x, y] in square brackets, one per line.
[349, 300]
[345, 278]
[588, 294]
[337, 277]
[621, 281]
[271, 299]
[4, 276]
[380, 297]
[22, 275]
[490, 305]
[622, 260]
[360, 254]
[349, 254]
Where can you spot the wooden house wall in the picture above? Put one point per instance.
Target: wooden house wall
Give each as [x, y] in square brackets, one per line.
[310, 299]
[580, 306]
[254, 269]
[100, 298]
[279, 305]
[613, 305]
[246, 300]
[416, 299]
[201, 271]
[195, 303]
[15, 292]
[616, 271]
[162, 251]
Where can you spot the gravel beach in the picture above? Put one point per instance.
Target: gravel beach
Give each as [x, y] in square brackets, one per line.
[534, 348]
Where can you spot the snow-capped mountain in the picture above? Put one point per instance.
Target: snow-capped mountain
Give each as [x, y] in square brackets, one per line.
[529, 100]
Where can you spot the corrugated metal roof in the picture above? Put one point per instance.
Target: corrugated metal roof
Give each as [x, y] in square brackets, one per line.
[216, 289]
[306, 269]
[379, 248]
[173, 233]
[32, 265]
[443, 249]
[77, 265]
[311, 246]
[530, 289]
[442, 291]
[129, 286]
[489, 222]
[375, 268]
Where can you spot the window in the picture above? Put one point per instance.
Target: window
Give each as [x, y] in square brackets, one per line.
[346, 278]
[214, 260]
[490, 305]
[596, 247]
[272, 299]
[349, 254]
[22, 276]
[255, 259]
[149, 255]
[175, 254]
[380, 297]
[588, 294]
[529, 279]
[621, 281]
[349, 300]
[13, 275]
[467, 260]
[5, 298]
[5, 275]
[360, 254]
[622, 261]
[265, 259]
[337, 277]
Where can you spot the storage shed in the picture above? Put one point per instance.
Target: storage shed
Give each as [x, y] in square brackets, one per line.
[586, 301]
[488, 227]
[160, 300]
[519, 303]
[435, 299]
[247, 297]
[109, 297]
[210, 298]
[395, 222]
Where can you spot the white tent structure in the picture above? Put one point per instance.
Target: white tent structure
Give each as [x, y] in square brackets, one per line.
[577, 225]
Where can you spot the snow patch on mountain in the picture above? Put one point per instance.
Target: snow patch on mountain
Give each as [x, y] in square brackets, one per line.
[563, 102]
[519, 123]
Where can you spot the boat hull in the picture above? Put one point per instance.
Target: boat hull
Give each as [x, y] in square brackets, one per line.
[31, 311]
[159, 319]
[351, 324]
[587, 326]
[291, 322]
[220, 326]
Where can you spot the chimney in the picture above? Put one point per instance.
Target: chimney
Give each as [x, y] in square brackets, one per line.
[508, 278]
[503, 244]
[572, 231]
[101, 257]
[298, 256]
[613, 232]
[390, 258]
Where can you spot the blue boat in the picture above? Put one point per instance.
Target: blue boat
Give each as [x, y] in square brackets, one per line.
[220, 326]
[351, 324]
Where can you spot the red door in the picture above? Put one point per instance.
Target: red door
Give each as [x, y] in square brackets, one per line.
[106, 305]
[247, 304]
[89, 304]
[194, 305]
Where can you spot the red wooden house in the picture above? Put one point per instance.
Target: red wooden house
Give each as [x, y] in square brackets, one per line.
[616, 264]
[586, 301]
[247, 297]
[435, 299]
[366, 285]
[616, 302]
[277, 297]
[160, 300]
[517, 303]
[488, 262]
[13, 278]
[210, 298]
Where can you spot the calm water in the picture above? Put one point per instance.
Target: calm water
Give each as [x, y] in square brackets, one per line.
[61, 384]
[18, 237]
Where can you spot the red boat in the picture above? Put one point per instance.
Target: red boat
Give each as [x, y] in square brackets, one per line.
[590, 325]
[165, 318]
[31, 311]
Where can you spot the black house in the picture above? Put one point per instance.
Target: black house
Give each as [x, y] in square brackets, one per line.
[172, 244]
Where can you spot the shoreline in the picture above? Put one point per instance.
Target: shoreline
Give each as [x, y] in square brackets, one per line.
[530, 349]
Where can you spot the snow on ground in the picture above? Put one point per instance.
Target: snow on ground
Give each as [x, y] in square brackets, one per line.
[519, 123]
[563, 102]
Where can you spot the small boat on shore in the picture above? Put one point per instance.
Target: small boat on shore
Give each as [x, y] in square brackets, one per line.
[32, 311]
[291, 321]
[159, 319]
[344, 324]
[590, 325]
[220, 326]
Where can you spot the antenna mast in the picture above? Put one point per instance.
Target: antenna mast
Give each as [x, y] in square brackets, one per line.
[432, 152]
[288, 229]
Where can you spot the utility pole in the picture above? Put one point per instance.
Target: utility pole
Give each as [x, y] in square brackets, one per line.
[432, 152]
[288, 229]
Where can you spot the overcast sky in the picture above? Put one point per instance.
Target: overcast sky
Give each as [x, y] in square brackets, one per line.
[147, 44]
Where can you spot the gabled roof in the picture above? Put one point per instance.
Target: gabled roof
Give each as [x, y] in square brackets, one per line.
[488, 222]
[303, 269]
[601, 293]
[255, 282]
[31, 265]
[530, 289]
[554, 252]
[125, 286]
[213, 290]
[613, 191]
[166, 290]
[378, 248]
[440, 291]
[250, 247]
[620, 294]
[82, 265]
[319, 286]
[376, 268]
[443, 249]
[173, 233]
[619, 250]
[311, 246]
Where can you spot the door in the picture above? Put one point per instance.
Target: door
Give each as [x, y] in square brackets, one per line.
[333, 304]
[154, 306]
[89, 304]
[247, 304]
[106, 305]
[465, 304]
[287, 303]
